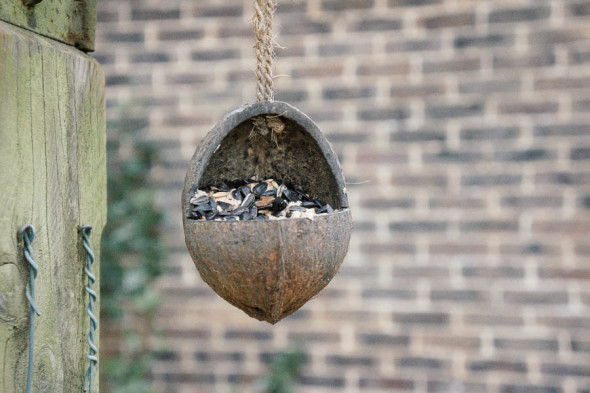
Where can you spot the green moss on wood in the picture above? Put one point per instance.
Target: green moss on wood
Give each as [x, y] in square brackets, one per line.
[53, 175]
[70, 21]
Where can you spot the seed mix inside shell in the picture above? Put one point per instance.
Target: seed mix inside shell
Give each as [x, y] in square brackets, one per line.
[241, 200]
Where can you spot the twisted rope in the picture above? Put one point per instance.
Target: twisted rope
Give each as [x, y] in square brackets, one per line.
[263, 15]
[27, 234]
[93, 351]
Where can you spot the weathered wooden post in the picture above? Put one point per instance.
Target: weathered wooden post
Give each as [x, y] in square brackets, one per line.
[53, 176]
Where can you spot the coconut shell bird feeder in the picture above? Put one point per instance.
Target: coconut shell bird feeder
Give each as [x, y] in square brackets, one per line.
[268, 268]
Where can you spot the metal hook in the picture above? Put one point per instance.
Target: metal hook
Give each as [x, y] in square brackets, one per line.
[27, 234]
[92, 355]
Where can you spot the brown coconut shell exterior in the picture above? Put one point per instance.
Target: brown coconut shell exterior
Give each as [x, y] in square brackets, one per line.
[268, 269]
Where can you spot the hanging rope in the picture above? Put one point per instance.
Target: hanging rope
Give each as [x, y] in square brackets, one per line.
[92, 354]
[263, 15]
[27, 234]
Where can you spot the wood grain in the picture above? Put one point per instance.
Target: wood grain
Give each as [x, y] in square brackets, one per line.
[53, 176]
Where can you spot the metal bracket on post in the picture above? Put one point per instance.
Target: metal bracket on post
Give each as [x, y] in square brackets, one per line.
[92, 356]
[27, 234]
[31, 3]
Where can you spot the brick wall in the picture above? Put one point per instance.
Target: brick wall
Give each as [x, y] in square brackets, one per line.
[464, 131]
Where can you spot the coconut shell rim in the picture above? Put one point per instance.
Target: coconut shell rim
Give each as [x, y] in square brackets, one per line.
[207, 147]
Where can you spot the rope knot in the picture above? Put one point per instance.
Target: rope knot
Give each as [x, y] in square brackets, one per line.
[263, 125]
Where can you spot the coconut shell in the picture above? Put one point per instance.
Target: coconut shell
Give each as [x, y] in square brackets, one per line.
[268, 269]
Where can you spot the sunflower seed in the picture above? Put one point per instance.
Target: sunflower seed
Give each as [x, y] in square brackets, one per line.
[260, 188]
[224, 206]
[240, 200]
[245, 190]
[291, 195]
[248, 200]
[200, 199]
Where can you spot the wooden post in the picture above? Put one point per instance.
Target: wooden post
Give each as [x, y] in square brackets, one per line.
[53, 176]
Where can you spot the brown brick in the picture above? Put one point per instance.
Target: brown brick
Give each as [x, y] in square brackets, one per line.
[529, 248]
[421, 180]
[387, 383]
[413, 45]
[420, 363]
[344, 93]
[493, 319]
[443, 111]
[499, 366]
[450, 20]
[380, 157]
[180, 35]
[491, 272]
[535, 297]
[453, 65]
[355, 361]
[315, 337]
[551, 37]
[320, 381]
[561, 82]
[460, 202]
[418, 136]
[220, 357]
[450, 248]
[482, 86]
[217, 11]
[412, 3]
[529, 60]
[407, 91]
[457, 295]
[552, 226]
[387, 69]
[529, 108]
[519, 14]
[565, 273]
[393, 294]
[529, 389]
[377, 114]
[376, 24]
[215, 55]
[386, 340]
[527, 202]
[192, 378]
[527, 344]
[418, 226]
[490, 180]
[145, 14]
[340, 5]
[578, 8]
[470, 134]
[445, 386]
[258, 335]
[404, 272]
[387, 203]
[332, 49]
[427, 319]
[305, 26]
[560, 369]
[451, 342]
[387, 249]
[482, 41]
[328, 70]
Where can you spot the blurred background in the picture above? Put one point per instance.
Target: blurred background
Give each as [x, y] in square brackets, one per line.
[463, 128]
